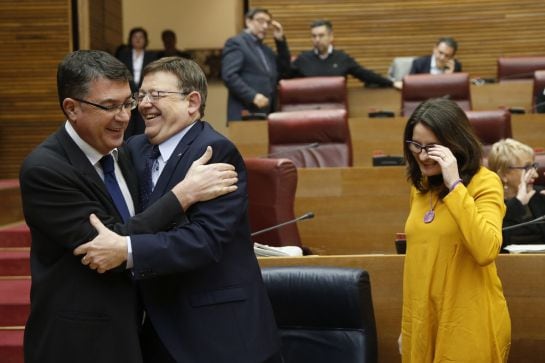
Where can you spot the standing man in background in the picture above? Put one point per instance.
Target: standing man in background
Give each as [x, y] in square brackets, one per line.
[441, 61]
[250, 69]
[324, 60]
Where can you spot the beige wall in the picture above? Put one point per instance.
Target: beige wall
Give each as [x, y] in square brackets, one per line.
[198, 24]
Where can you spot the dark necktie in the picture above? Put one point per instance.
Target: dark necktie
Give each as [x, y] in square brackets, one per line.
[147, 183]
[107, 163]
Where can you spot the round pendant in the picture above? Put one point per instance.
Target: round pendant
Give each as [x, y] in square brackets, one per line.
[428, 217]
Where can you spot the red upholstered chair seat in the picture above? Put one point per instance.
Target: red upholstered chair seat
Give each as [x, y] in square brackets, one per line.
[538, 99]
[271, 196]
[516, 68]
[312, 93]
[314, 138]
[490, 126]
[420, 87]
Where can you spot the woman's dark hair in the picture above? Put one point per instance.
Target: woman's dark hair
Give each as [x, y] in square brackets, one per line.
[137, 30]
[450, 125]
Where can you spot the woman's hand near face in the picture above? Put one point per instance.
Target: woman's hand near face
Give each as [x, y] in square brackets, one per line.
[525, 192]
[446, 159]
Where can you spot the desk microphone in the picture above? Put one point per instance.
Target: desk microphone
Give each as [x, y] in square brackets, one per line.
[289, 151]
[308, 215]
[533, 221]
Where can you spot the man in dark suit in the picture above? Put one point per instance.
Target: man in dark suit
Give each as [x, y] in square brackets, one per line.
[441, 61]
[200, 283]
[77, 315]
[250, 69]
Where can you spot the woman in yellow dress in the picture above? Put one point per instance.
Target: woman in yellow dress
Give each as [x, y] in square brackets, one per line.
[453, 304]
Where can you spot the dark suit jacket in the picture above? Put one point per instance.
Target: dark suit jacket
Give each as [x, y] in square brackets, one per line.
[516, 213]
[423, 65]
[200, 283]
[245, 75]
[136, 125]
[78, 315]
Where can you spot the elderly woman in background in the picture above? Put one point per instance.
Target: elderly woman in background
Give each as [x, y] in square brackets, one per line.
[514, 162]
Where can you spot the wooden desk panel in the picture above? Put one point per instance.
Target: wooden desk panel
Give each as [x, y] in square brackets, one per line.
[523, 285]
[489, 96]
[372, 134]
[357, 210]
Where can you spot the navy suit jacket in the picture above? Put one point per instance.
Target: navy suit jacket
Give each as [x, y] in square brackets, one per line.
[245, 75]
[200, 283]
[423, 65]
[77, 314]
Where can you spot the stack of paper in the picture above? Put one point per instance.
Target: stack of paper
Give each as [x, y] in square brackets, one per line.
[267, 251]
[526, 248]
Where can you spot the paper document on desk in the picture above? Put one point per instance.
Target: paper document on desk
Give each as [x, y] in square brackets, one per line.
[526, 248]
[267, 251]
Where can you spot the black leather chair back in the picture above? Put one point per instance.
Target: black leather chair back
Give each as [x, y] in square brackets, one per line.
[324, 314]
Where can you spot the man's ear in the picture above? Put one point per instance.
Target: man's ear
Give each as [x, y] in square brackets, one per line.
[69, 106]
[194, 99]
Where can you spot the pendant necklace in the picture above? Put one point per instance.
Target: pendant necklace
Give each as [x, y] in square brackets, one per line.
[430, 215]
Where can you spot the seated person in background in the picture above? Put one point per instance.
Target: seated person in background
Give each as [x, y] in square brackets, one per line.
[514, 162]
[441, 61]
[169, 42]
[323, 60]
[540, 102]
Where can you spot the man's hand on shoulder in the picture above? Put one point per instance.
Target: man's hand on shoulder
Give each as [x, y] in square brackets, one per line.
[204, 182]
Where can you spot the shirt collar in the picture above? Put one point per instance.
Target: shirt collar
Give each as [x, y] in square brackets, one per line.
[329, 51]
[168, 146]
[90, 152]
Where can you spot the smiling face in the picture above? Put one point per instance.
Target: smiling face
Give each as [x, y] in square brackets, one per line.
[101, 129]
[512, 177]
[424, 136]
[443, 53]
[170, 113]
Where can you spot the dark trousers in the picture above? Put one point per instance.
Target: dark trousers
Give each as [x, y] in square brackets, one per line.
[153, 349]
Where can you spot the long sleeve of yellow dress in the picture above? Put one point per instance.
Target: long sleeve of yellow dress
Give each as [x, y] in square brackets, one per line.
[453, 304]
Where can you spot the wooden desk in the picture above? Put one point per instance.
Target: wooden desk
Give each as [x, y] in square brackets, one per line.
[357, 210]
[371, 134]
[523, 285]
[489, 96]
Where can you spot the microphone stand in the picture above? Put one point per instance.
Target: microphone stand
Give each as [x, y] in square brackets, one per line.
[308, 215]
[533, 221]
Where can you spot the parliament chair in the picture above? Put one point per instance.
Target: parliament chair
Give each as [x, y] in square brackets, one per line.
[490, 126]
[540, 159]
[312, 93]
[271, 196]
[538, 98]
[420, 87]
[313, 138]
[517, 68]
[324, 314]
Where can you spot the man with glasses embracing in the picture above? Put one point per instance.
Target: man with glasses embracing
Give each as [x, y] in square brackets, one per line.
[250, 69]
[78, 315]
[200, 282]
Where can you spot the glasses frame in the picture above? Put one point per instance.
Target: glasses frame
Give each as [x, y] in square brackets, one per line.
[129, 105]
[533, 165]
[157, 96]
[419, 146]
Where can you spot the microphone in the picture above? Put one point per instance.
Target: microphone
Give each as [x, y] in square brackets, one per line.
[289, 151]
[533, 221]
[308, 215]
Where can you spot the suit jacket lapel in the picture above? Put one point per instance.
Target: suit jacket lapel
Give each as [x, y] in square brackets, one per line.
[129, 173]
[172, 173]
[250, 43]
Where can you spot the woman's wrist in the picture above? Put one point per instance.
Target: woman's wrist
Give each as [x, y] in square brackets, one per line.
[455, 183]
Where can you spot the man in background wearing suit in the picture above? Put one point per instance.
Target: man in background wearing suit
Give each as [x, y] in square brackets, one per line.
[250, 69]
[200, 283]
[77, 315]
[441, 61]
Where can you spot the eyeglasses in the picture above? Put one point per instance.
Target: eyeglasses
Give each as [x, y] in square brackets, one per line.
[155, 95]
[263, 21]
[127, 106]
[526, 167]
[417, 148]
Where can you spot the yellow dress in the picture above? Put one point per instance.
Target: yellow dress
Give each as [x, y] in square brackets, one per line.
[453, 304]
